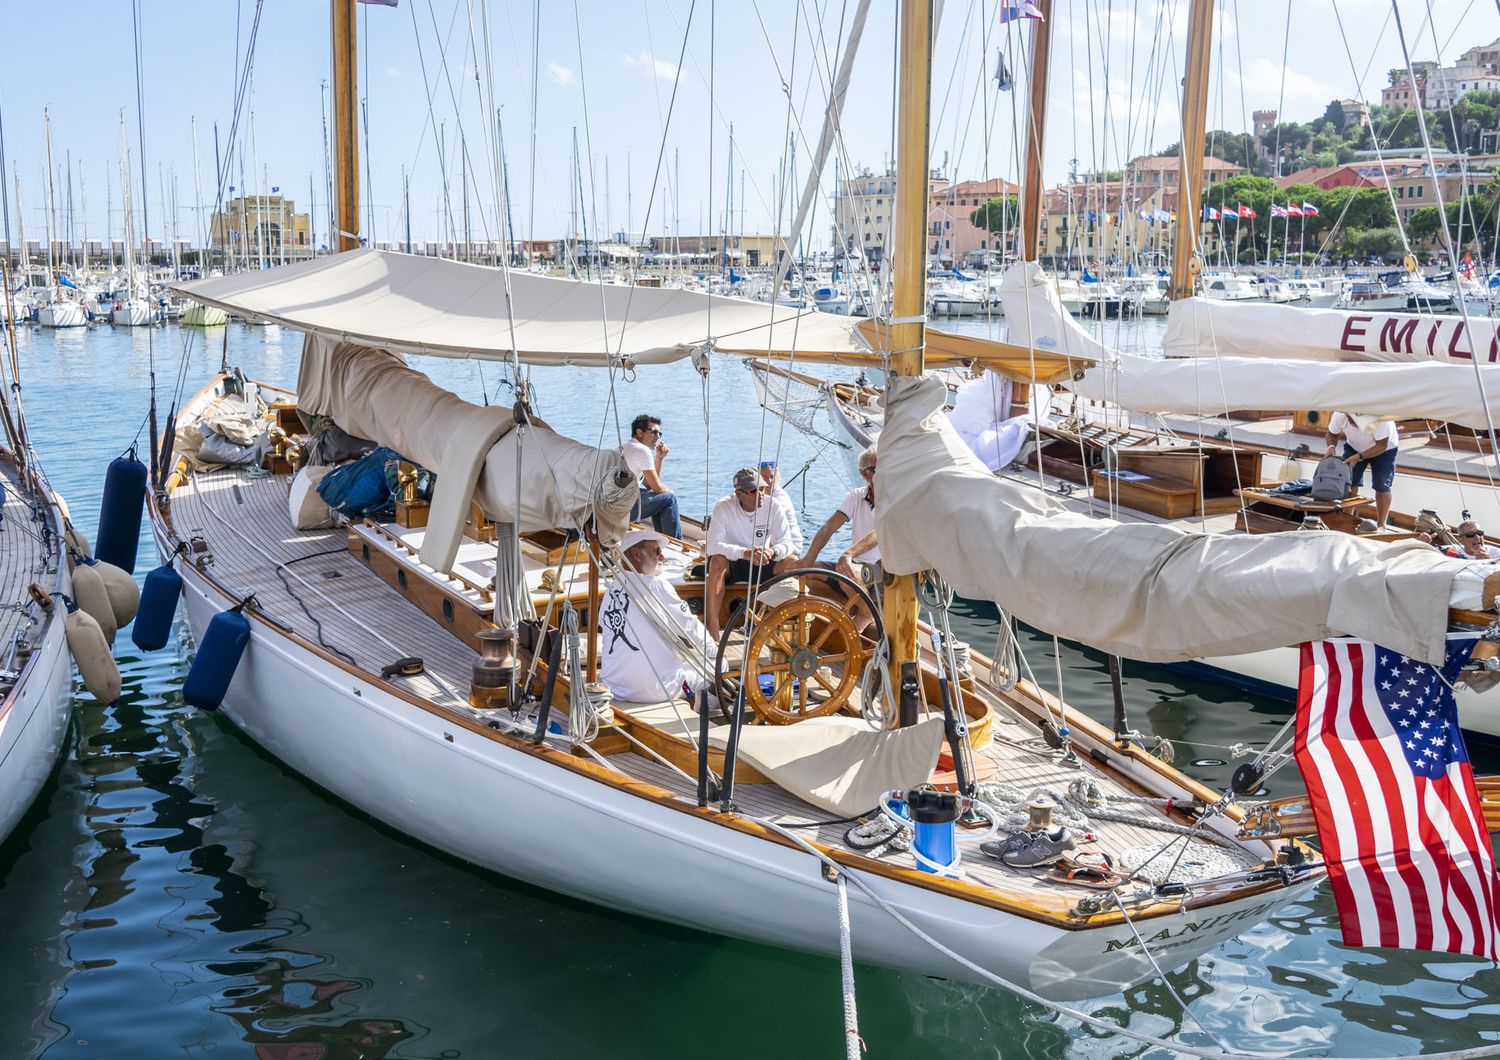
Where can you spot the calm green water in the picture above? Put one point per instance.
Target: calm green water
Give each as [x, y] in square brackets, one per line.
[176, 892]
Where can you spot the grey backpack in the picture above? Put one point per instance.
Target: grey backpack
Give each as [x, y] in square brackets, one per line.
[1330, 482]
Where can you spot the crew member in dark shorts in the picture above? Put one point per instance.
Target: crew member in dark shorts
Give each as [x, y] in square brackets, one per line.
[1368, 443]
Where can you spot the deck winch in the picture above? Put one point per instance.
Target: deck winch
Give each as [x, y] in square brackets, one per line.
[494, 677]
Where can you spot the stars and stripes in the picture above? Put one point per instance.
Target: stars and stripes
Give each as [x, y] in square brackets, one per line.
[1394, 797]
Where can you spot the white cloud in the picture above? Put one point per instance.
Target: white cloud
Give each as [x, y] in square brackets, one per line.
[560, 74]
[394, 71]
[1305, 96]
[645, 61]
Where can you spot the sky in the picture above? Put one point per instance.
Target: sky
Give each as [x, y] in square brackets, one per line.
[650, 89]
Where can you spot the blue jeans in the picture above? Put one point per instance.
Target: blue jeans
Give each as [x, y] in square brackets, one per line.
[661, 509]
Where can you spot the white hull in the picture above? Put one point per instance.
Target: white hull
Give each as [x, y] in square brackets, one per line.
[61, 315]
[524, 815]
[199, 315]
[33, 726]
[134, 313]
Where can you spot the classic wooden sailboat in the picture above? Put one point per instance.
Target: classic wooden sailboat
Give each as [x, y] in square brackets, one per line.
[36, 669]
[377, 659]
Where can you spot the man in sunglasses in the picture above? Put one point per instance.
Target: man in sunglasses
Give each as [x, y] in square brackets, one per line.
[749, 540]
[644, 454]
[1471, 542]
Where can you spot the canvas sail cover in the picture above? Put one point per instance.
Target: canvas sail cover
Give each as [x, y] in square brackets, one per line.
[1214, 385]
[472, 449]
[1142, 590]
[1261, 360]
[1199, 327]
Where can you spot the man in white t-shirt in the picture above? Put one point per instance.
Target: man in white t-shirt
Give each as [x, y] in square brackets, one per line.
[749, 540]
[858, 510]
[1368, 443]
[771, 486]
[644, 453]
[643, 657]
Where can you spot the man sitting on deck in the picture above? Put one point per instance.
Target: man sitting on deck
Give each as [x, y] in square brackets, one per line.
[644, 453]
[639, 660]
[749, 540]
[1367, 443]
[857, 509]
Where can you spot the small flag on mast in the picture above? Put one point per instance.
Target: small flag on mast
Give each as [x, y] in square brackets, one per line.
[1394, 797]
[1309, 209]
[1247, 213]
[1010, 11]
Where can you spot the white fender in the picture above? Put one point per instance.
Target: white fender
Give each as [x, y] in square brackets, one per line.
[90, 595]
[91, 652]
[124, 593]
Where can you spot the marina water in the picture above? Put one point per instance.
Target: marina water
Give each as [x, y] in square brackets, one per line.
[175, 891]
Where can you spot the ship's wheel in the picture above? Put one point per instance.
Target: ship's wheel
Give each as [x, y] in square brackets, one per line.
[798, 658]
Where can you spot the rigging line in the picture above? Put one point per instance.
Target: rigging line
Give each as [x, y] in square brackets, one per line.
[1437, 188]
[485, 132]
[431, 119]
[660, 157]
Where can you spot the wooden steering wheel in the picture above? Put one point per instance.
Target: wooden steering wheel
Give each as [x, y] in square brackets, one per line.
[803, 658]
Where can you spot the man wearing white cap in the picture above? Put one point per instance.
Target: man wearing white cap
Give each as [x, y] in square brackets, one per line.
[1368, 443]
[749, 540]
[647, 632]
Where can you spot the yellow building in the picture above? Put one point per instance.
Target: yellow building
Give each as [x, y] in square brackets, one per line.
[252, 224]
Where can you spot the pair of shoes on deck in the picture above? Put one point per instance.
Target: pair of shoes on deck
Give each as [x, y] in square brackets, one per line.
[1030, 850]
[1097, 873]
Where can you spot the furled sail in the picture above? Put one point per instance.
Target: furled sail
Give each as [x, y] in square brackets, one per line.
[1213, 385]
[373, 394]
[1262, 361]
[1199, 327]
[1142, 590]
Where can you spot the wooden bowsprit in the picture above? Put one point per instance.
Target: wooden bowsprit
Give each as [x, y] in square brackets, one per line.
[1291, 816]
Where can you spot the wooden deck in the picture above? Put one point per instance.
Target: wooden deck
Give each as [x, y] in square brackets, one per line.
[23, 559]
[242, 518]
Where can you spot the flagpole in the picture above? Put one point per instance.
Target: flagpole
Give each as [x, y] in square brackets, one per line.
[1301, 237]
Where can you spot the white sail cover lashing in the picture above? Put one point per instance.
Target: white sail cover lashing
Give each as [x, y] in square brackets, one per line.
[414, 304]
[1034, 315]
[1141, 590]
[1200, 327]
[472, 449]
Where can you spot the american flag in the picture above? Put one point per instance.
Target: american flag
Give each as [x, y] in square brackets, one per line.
[1394, 797]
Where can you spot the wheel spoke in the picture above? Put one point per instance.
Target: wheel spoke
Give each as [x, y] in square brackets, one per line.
[818, 677]
[778, 640]
[802, 696]
[828, 631]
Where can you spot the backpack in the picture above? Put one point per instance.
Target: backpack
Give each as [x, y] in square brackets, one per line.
[1330, 482]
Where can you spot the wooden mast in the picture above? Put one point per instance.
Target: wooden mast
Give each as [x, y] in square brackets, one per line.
[907, 332]
[1036, 133]
[345, 142]
[1190, 152]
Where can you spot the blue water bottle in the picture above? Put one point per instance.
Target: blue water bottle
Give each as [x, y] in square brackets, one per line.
[933, 814]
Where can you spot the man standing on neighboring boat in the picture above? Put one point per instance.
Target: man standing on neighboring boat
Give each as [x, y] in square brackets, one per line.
[749, 540]
[644, 453]
[857, 509]
[771, 487]
[1368, 442]
[647, 634]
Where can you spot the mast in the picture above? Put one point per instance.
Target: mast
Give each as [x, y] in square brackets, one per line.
[1036, 133]
[51, 205]
[345, 142]
[907, 333]
[1190, 154]
[128, 213]
[83, 204]
[198, 201]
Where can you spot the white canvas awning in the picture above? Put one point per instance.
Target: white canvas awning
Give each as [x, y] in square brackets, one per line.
[420, 305]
